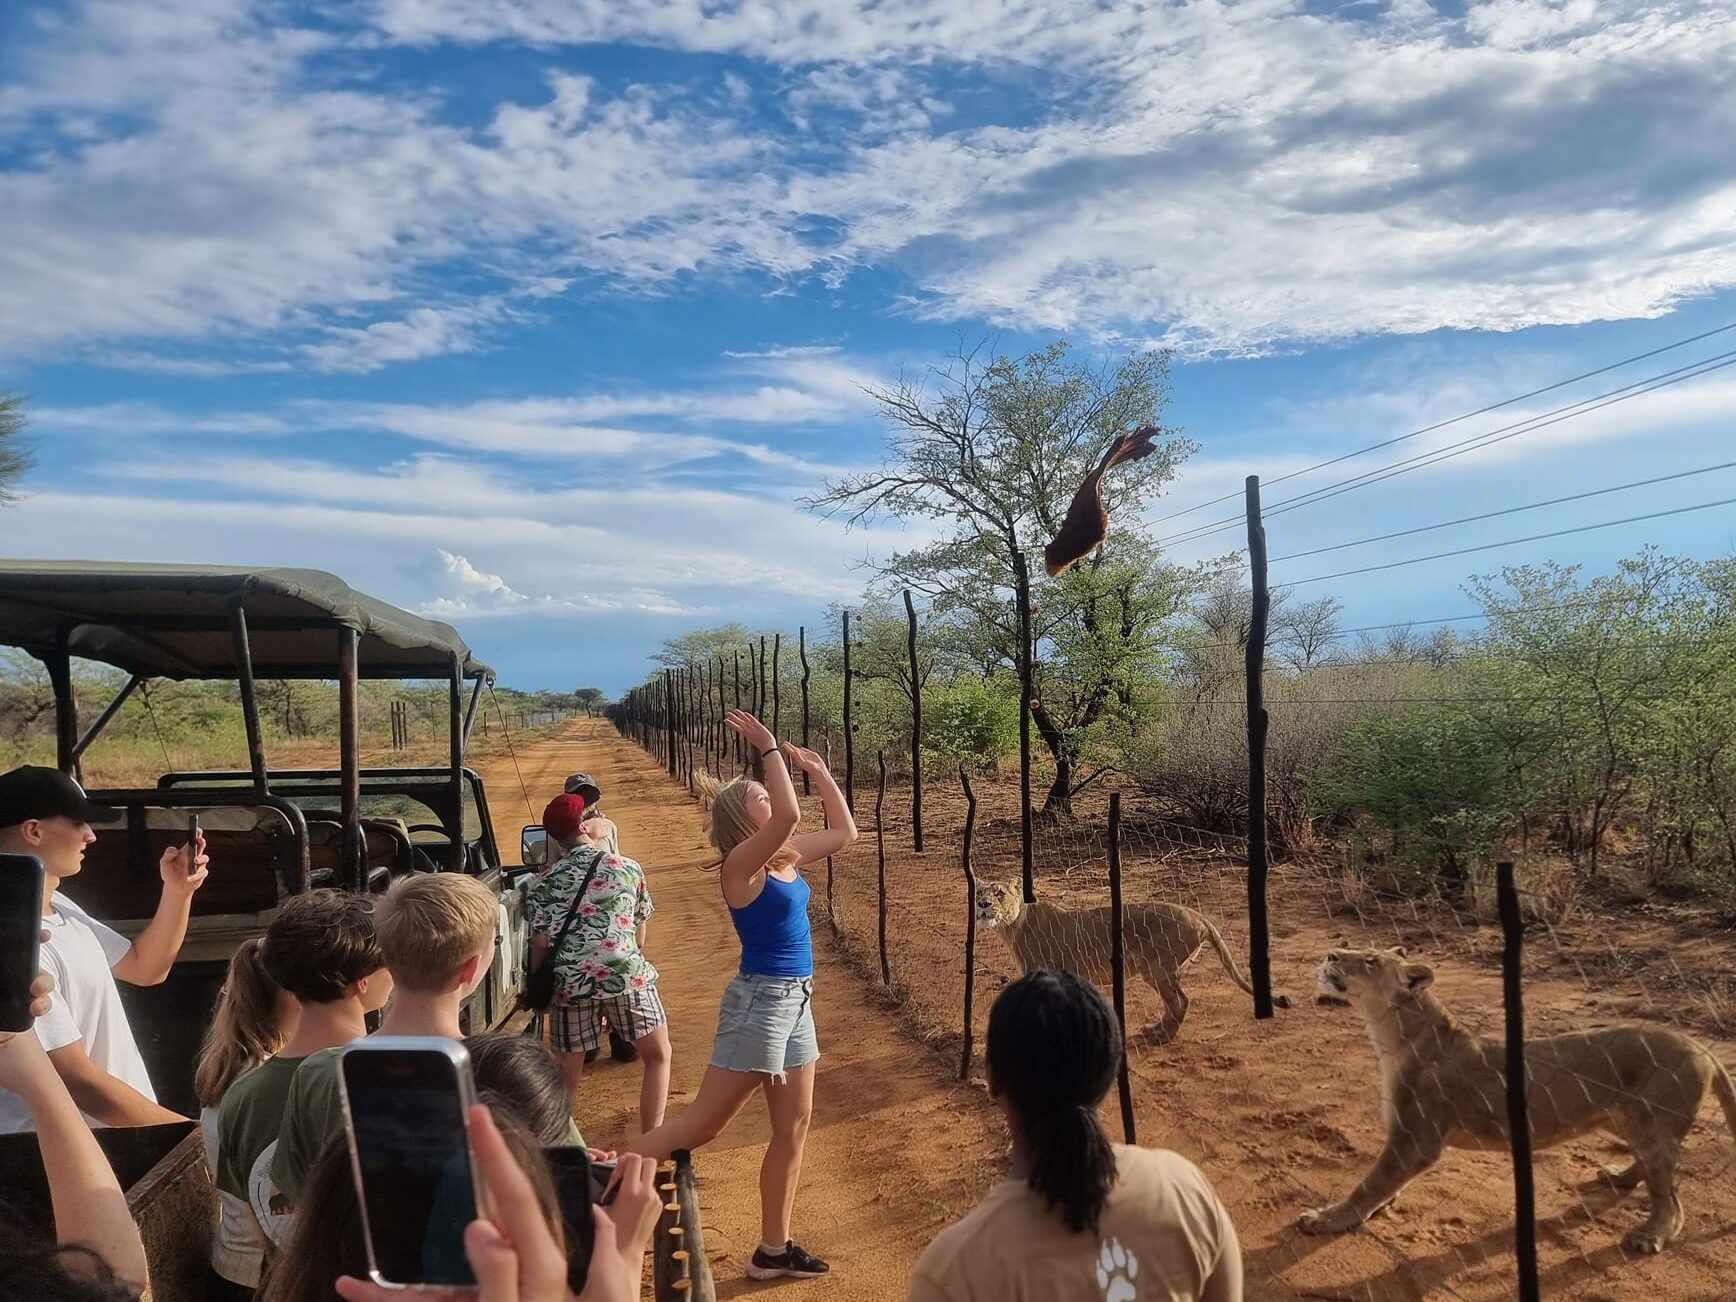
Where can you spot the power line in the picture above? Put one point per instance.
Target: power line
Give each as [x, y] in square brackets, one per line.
[1422, 460]
[1511, 510]
[1511, 542]
[1470, 415]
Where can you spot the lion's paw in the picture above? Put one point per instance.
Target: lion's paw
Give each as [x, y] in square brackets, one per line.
[1642, 1242]
[1328, 1220]
[1117, 1268]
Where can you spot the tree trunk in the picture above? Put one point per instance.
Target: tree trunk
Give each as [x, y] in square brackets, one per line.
[1060, 797]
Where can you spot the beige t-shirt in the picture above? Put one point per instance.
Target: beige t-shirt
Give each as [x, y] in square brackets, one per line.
[1160, 1238]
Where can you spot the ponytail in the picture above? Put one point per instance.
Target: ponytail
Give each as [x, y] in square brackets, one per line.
[1072, 1165]
[1053, 1049]
[245, 1029]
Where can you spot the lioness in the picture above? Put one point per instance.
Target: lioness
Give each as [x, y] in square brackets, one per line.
[1160, 940]
[1441, 1086]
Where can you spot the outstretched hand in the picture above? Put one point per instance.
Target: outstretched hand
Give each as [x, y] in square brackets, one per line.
[755, 733]
[809, 761]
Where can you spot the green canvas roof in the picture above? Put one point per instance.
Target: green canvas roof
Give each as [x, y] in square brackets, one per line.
[173, 621]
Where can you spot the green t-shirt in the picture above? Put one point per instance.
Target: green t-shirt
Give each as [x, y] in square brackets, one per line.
[249, 1121]
[313, 1113]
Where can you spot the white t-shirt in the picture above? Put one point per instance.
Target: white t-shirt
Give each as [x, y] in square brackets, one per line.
[78, 954]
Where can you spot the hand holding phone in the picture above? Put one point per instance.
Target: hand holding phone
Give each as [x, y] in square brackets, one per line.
[184, 868]
[21, 885]
[513, 1253]
[406, 1103]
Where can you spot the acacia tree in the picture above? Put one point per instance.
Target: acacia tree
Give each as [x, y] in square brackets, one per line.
[14, 455]
[993, 451]
[589, 698]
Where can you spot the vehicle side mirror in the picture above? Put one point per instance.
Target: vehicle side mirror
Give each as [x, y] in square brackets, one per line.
[534, 846]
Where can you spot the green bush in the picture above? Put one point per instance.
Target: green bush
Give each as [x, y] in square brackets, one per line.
[969, 721]
[1438, 779]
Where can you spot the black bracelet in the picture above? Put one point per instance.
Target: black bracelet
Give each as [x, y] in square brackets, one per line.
[773, 751]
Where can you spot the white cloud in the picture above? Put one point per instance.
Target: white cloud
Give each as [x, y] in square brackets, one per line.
[1217, 176]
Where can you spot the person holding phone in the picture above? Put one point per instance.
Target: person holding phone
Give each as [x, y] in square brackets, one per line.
[86, 1035]
[766, 1039]
[514, 1250]
[1077, 1216]
[97, 1256]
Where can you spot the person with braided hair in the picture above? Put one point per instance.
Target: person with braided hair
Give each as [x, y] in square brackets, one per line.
[1077, 1217]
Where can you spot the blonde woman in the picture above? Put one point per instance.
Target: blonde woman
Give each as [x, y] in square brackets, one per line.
[765, 1031]
[254, 1018]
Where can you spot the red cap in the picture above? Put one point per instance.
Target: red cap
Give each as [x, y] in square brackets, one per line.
[563, 816]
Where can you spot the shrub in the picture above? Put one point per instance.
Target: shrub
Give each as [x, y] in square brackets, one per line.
[973, 722]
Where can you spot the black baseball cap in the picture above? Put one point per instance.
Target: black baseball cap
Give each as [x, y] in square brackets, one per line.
[583, 784]
[33, 791]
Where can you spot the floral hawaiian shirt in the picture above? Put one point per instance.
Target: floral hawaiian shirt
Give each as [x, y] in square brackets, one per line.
[600, 958]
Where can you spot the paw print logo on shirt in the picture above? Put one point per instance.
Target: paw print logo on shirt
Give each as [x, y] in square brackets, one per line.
[1117, 1268]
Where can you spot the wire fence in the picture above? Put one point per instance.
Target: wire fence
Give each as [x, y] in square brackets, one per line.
[1485, 1092]
[1301, 1118]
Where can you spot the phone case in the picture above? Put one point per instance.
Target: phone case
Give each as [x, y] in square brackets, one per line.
[456, 1054]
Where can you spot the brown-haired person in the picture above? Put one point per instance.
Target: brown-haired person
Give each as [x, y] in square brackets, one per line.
[437, 934]
[1077, 1216]
[254, 1017]
[323, 952]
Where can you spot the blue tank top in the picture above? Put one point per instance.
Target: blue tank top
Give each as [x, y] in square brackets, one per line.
[775, 937]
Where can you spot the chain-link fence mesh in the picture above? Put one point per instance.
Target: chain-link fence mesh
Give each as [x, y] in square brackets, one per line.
[1289, 1116]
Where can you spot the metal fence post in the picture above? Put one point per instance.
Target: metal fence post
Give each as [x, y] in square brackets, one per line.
[1518, 1115]
[1027, 860]
[970, 925]
[915, 730]
[1118, 963]
[802, 634]
[849, 725]
[880, 853]
[1259, 933]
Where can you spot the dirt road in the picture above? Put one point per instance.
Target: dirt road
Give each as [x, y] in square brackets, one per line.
[897, 1149]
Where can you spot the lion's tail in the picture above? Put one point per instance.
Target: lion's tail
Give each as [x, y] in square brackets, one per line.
[1216, 938]
[1726, 1093]
[1228, 959]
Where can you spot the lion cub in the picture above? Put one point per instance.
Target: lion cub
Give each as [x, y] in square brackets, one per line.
[1442, 1087]
[1160, 940]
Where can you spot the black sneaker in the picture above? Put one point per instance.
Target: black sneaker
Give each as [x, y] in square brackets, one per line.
[791, 1261]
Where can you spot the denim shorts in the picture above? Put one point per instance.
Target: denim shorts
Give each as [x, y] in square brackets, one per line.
[766, 1025]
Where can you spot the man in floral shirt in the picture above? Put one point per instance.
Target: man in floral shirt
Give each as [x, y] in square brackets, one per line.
[600, 969]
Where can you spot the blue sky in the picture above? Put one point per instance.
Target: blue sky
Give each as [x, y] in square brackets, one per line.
[538, 315]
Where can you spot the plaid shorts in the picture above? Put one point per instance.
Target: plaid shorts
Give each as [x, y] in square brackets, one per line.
[576, 1028]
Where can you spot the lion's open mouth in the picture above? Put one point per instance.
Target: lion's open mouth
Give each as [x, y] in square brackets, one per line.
[1331, 989]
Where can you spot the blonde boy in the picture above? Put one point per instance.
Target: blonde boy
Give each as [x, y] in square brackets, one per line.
[437, 932]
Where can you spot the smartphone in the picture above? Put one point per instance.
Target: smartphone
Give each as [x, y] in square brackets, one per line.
[192, 844]
[574, 1191]
[21, 883]
[406, 1107]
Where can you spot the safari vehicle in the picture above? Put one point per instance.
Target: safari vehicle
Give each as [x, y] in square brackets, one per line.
[269, 834]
